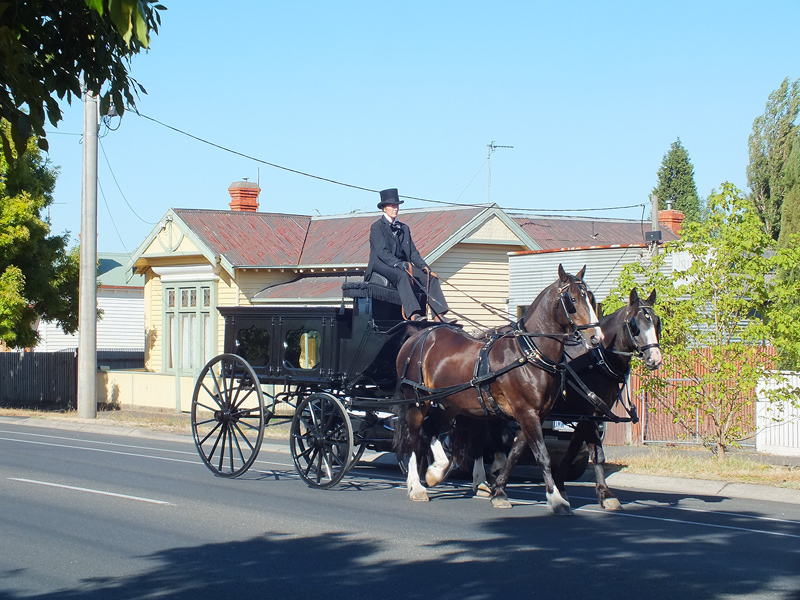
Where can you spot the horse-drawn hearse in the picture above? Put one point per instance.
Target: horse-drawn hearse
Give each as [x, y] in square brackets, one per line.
[340, 376]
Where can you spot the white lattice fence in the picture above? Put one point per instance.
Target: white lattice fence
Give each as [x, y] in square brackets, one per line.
[778, 425]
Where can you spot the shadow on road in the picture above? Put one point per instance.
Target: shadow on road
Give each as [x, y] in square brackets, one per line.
[528, 555]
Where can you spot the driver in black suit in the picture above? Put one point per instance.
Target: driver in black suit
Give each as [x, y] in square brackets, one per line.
[392, 254]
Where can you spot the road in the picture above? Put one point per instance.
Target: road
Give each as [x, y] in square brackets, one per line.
[94, 515]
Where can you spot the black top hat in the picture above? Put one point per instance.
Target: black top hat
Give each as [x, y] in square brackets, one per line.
[389, 196]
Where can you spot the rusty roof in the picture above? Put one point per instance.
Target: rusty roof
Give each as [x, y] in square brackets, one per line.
[304, 288]
[249, 238]
[255, 239]
[344, 240]
[555, 233]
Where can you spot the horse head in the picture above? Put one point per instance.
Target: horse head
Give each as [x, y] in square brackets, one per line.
[577, 307]
[644, 327]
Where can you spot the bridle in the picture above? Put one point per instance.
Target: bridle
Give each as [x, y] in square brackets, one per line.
[569, 306]
[634, 330]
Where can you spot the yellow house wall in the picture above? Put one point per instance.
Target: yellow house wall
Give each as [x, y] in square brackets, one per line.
[479, 271]
[140, 389]
[493, 229]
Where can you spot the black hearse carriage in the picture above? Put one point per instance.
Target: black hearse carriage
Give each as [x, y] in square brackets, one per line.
[327, 371]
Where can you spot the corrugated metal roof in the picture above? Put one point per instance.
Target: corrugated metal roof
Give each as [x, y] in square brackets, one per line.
[111, 271]
[249, 238]
[316, 287]
[253, 239]
[552, 233]
[344, 240]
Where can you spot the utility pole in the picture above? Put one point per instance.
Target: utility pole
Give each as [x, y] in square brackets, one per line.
[492, 146]
[87, 290]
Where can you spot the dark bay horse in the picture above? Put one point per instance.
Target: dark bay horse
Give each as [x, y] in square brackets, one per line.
[633, 330]
[515, 374]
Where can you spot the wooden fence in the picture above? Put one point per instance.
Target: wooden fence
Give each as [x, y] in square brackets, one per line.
[656, 412]
[50, 379]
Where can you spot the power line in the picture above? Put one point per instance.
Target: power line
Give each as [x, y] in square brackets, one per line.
[365, 189]
[120, 189]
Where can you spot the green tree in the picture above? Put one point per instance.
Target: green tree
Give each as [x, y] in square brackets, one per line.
[770, 144]
[721, 305]
[676, 186]
[790, 211]
[46, 48]
[38, 275]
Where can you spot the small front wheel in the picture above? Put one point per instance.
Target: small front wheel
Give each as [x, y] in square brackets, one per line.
[228, 415]
[321, 440]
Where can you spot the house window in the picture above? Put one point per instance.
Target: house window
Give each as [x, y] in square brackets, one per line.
[188, 327]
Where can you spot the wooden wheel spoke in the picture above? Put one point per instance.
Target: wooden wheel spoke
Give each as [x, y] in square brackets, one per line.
[216, 397]
[237, 424]
[244, 437]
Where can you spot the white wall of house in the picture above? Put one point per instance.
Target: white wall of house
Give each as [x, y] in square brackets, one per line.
[530, 273]
[121, 326]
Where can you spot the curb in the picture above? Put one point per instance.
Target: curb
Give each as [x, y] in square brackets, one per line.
[703, 487]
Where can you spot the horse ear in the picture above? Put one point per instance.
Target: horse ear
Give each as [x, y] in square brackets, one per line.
[651, 300]
[634, 297]
[581, 272]
[562, 274]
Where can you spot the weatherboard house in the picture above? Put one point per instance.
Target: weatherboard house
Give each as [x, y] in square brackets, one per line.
[196, 260]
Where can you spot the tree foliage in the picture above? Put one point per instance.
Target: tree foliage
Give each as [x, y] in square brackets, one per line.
[774, 134]
[676, 186]
[721, 306]
[38, 275]
[46, 47]
[790, 211]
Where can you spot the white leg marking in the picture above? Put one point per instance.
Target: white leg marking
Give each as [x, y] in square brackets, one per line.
[435, 472]
[557, 504]
[415, 490]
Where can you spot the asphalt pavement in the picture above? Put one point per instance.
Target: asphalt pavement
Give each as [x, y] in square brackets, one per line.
[619, 479]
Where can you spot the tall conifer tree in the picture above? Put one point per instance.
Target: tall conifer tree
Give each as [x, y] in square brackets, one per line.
[769, 147]
[676, 186]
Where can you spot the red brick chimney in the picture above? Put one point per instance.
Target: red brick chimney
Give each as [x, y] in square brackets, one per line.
[244, 196]
[671, 219]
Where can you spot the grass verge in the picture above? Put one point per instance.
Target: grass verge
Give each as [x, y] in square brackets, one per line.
[701, 464]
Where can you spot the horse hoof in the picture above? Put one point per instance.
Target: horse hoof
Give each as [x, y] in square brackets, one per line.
[433, 476]
[483, 491]
[610, 504]
[561, 510]
[419, 496]
[500, 502]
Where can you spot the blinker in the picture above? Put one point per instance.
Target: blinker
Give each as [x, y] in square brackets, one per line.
[635, 331]
[569, 305]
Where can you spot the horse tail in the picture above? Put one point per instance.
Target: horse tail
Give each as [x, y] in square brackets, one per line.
[401, 441]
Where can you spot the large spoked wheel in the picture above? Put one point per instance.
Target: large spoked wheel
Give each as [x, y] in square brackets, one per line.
[228, 415]
[321, 440]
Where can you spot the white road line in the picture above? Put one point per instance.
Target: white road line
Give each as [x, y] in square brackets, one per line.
[716, 512]
[98, 442]
[683, 522]
[103, 450]
[90, 491]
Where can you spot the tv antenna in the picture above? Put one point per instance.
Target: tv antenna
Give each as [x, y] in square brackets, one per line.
[492, 147]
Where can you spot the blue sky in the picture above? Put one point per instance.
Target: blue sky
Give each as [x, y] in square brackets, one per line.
[408, 95]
